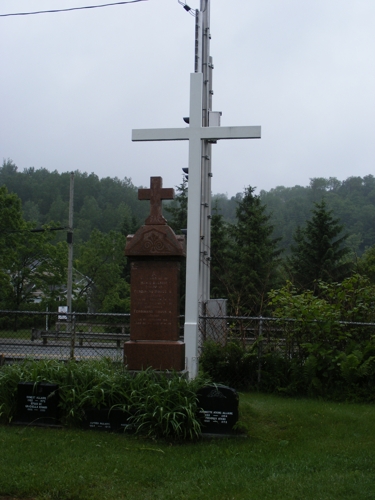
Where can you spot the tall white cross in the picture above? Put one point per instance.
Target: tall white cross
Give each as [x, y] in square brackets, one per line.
[195, 134]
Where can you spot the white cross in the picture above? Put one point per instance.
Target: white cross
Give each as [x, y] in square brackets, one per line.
[195, 133]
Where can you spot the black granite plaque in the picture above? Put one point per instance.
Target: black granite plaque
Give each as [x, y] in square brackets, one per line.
[218, 409]
[37, 404]
[114, 420]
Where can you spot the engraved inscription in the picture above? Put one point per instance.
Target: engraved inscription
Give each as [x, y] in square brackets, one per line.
[154, 299]
[36, 404]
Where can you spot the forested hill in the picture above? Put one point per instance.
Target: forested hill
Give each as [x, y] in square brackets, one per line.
[352, 202]
[112, 204]
[105, 204]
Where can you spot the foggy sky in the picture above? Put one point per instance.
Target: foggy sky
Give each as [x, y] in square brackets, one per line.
[75, 84]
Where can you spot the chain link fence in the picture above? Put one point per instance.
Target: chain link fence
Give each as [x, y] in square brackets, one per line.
[234, 340]
[243, 351]
[62, 336]
[284, 335]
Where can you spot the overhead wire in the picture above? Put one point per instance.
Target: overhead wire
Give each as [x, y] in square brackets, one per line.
[70, 8]
[187, 8]
[38, 230]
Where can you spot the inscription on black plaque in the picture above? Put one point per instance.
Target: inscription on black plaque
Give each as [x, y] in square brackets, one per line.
[37, 404]
[104, 419]
[218, 409]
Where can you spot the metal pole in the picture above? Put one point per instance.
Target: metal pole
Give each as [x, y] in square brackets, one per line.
[193, 241]
[70, 250]
[73, 336]
[206, 157]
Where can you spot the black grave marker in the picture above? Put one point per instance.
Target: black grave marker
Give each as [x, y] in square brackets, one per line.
[114, 420]
[218, 409]
[37, 404]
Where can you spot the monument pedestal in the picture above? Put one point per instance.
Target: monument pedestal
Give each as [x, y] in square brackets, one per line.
[160, 355]
[155, 253]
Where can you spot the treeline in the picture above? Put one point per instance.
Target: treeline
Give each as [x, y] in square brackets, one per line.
[324, 232]
[352, 202]
[104, 204]
[111, 204]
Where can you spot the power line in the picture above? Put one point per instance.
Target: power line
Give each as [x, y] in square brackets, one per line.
[39, 230]
[70, 9]
[187, 8]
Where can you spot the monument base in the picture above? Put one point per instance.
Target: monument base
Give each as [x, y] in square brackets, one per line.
[155, 354]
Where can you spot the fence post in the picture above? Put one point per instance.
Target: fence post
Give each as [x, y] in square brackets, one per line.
[260, 345]
[73, 334]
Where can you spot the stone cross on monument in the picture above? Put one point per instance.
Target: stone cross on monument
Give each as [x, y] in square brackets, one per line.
[195, 134]
[156, 194]
[155, 254]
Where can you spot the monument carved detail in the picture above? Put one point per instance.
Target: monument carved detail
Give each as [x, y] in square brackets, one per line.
[155, 253]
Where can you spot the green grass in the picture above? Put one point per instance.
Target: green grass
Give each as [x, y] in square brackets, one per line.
[19, 334]
[295, 449]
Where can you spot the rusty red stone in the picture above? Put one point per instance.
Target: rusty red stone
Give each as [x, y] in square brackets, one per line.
[155, 253]
[157, 354]
[155, 300]
[156, 194]
[155, 241]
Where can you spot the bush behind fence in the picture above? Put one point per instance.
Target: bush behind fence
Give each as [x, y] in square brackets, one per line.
[327, 358]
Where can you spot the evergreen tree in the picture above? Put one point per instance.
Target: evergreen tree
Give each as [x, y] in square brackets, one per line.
[319, 251]
[220, 255]
[255, 256]
[178, 208]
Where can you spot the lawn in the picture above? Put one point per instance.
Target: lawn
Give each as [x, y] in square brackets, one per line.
[294, 449]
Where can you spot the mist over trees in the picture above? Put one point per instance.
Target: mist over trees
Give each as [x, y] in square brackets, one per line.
[352, 201]
[105, 204]
[259, 241]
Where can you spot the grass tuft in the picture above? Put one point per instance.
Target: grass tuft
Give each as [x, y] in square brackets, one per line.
[159, 405]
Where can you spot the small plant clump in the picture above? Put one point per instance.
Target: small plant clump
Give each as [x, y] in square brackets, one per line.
[159, 405]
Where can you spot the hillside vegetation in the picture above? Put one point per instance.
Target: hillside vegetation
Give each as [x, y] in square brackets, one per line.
[112, 204]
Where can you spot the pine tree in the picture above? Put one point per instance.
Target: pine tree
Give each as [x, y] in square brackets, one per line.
[178, 208]
[255, 255]
[220, 255]
[319, 251]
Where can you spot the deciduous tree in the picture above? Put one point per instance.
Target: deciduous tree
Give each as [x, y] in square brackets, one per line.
[101, 260]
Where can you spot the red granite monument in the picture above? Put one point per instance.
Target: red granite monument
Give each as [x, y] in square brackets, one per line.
[155, 254]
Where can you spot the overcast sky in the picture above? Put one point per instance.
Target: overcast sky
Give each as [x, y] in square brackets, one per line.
[75, 84]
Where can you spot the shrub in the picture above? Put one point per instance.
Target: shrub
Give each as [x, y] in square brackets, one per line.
[159, 405]
[231, 364]
[316, 370]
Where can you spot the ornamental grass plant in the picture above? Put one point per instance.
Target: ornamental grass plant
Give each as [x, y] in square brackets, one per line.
[158, 405]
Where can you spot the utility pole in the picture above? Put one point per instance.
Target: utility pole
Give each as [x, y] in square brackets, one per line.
[70, 249]
[204, 65]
